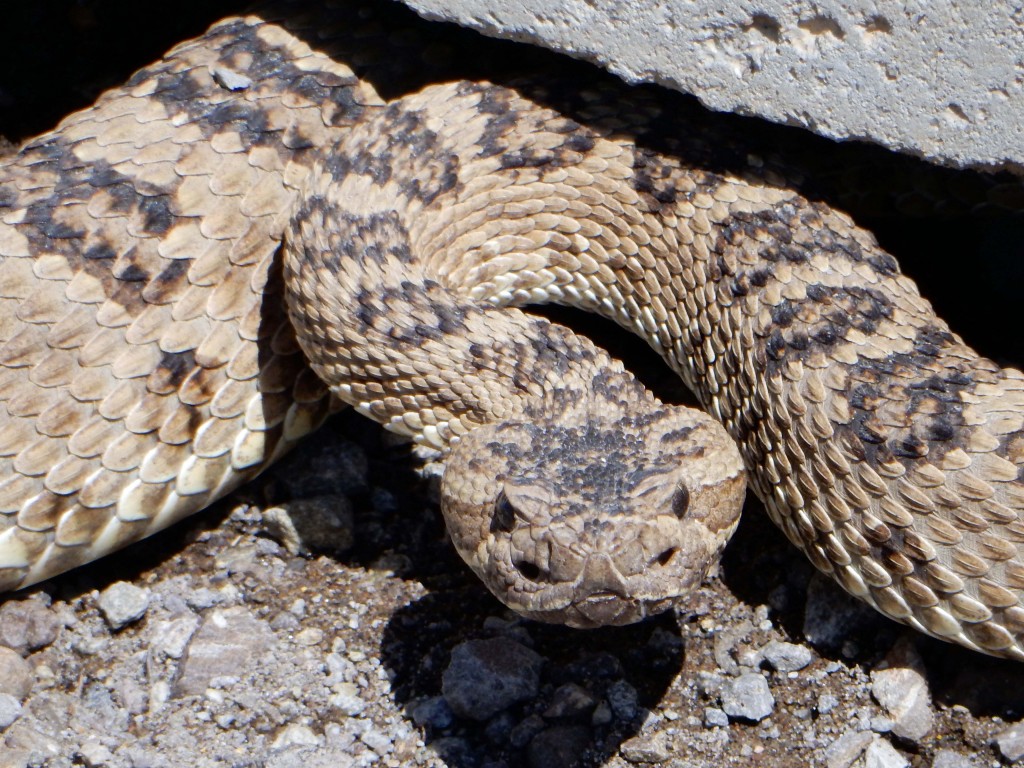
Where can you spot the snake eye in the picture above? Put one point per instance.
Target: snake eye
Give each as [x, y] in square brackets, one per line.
[681, 501]
[504, 514]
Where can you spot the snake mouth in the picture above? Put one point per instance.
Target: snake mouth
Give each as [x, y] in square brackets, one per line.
[608, 609]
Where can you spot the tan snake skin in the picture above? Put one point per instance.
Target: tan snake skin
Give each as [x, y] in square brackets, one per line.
[147, 366]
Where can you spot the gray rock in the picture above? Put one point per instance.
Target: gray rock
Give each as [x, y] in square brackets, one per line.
[715, 718]
[881, 754]
[122, 603]
[27, 625]
[523, 734]
[203, 598]
[433, 712]
[645, 749]
[787, 657]
[1010, 742]
[224, 646]
[602, 714]
[569, 701]
[16, 674]
[826, 703]
[10, 710]
[377, 740]
[622, 698]
[487, 676]
[902, 691]
[842, 752]
[295, 735]
[947, 758]
[937, 80]
[317, 524]
[558, 747]
[347, 700]
[747, 698]
[171, 637]
[93, 754]
[831, 615]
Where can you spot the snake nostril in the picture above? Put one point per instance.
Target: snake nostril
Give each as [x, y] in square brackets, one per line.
[528, 570]
[666, 557]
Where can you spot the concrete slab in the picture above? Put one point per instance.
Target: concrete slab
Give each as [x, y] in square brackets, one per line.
[941, 79]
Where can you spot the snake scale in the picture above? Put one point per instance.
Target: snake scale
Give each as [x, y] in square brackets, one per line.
[148, 363]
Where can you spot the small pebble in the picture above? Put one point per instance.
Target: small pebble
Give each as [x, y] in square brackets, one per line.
[902, 691]
[347, 700]
[376, 740]
[881, 754]
[622, 698]
[523, 734]
[787, 657]
[1010, 742]
[312, 524]
[229, 79]
[293, 735]
[569, 701]
[309, 636]
[747, 698]
[171, 637]
[558, 747]
[10, 710]
[842, 752]
[93, 754]
[947, 758]
[16, 674]
[645, 749]
[602, 714]
[27, 625]
[715, 718]
[122, 603]
[826, 703]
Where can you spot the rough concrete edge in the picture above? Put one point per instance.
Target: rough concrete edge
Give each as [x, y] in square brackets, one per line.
[968, 151]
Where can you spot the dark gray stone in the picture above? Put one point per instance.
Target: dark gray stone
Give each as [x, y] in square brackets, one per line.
[486, 676]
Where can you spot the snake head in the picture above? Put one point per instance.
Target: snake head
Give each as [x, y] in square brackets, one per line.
[603, 520]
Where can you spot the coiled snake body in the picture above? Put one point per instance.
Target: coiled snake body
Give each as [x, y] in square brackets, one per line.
[147, 364]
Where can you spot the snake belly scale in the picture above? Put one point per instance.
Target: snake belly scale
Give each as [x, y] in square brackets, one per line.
[147, 363]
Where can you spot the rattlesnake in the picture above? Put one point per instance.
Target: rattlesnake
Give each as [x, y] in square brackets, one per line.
[147, 364]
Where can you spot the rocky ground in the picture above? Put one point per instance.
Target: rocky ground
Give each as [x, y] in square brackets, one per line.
[319, 616]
